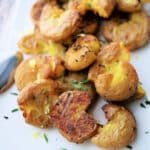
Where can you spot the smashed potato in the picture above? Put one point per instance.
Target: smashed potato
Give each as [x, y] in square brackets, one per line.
[103, 8]
[134, 32]
[36, 101]
[120, 130]
[129, 5]
[33, 44]
[82, 53]
[38, 67]
[57, 24]
[69, 116]
[114, 77]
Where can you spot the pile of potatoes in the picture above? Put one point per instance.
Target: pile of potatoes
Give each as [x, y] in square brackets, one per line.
[69, 66]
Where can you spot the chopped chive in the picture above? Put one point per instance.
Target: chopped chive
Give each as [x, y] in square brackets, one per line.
[83, 81]
[146, 132]
[147, 102]
[74, 81]
[5, 117]
[129, 147]
[45, 138]
[63, 149]
[14, 110]
[142, 105]
[140, 83]
[13, 93]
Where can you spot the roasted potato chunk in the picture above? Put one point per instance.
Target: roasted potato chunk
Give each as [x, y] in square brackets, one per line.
[69, 116]
[114, 77]
[103, 8]
[33, 44]
[36, 101]
[129, 5]
[37, 9]
[38, 67]
[119, 132]
[57, 24]
[132, 32]
[82, 53]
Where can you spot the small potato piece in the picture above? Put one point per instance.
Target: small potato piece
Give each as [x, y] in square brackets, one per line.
[129, 5]
[119, 132]
[37, 9]
[114, 77]
[133, 32]
[103, 8]
[33, 44]
[38, 67]
[82, 53]
[69, 116]
[36, 101]
[58, 24]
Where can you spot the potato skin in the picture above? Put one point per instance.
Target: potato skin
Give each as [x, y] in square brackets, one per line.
[129, 6]
[133, 33]
[69, 116]
[38, 67]
[36, 101]
[114, 77]
[119, 132]
[57, 24]
[82, 53]
[101, 7]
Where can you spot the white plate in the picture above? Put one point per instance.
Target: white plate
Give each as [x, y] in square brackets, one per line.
[15, 134]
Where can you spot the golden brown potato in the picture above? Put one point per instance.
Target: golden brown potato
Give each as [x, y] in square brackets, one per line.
[82, 53]
[37, 9]
[88, 25]
[119, 132]
[57, 24]
[38, 67]
[36, 101]
[129, 5]
[103, 8]
[33, 44]
[69, 116]
[134, 32]
[114, 77]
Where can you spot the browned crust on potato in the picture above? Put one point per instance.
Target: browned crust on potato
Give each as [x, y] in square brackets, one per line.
[119, 132]
[36, 101]
[70, 118]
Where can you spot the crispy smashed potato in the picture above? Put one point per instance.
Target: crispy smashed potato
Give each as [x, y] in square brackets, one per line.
[103, 8]
[33, 44]
[38, 67]
[114, 77]
[119, 132]
[36, 101]
[82, 53]
[129, 5]
[134, 32]
[57, 24]
[69, 116]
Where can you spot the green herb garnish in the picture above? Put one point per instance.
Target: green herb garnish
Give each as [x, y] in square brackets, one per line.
[14, 110]
[83, 81]
[63, 149]
[146, 132]
[147, 102]
[129, 147]
[5, 117]
[45, 138]
[142, 105]
[13, 93]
